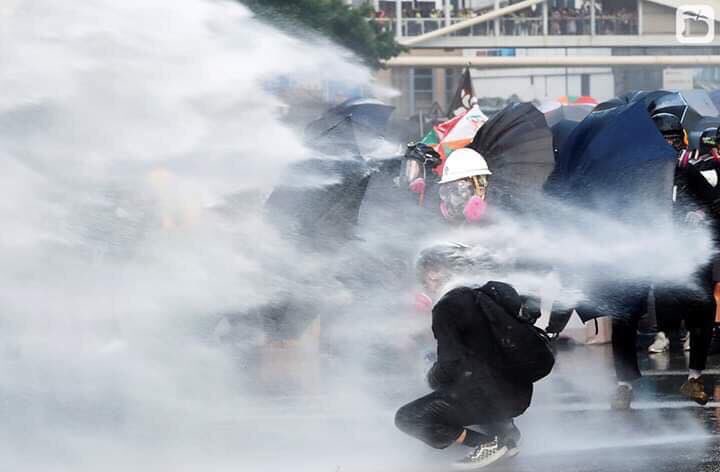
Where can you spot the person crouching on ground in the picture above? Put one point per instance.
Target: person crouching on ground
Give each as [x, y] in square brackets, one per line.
[488, 356]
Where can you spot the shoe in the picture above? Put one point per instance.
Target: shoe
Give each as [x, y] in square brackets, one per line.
[686, 343]
[694, 389]
[512, 447]
[622, 398]
[482, 456]
[660, 344]
[510, 438]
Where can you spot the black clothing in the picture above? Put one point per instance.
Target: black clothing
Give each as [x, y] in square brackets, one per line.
[439, 418]
[694, 191]
[467, 353]
[470, 385]
[697, 308]
[699, 313]
[624, 347]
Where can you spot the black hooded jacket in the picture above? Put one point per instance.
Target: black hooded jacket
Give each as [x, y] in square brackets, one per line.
[468, 355]
[697, 192]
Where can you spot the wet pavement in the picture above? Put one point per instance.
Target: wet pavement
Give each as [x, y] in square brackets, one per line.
[570, 426]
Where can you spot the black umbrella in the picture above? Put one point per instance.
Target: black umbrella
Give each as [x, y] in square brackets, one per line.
[325, 215]
[346, 127]
[517, 144]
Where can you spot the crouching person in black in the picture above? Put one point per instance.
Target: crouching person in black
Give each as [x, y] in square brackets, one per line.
[488, 356]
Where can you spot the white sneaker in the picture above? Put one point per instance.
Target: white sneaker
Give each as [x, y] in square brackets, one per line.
[482, 456]
[686, 343]
[660, 344]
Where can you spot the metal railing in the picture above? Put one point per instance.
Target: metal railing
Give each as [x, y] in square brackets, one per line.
[624, 24]
[515, 25]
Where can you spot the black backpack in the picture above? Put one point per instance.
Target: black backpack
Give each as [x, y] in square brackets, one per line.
[524, 353]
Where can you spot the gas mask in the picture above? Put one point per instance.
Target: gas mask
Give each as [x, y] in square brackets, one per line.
[464, 199]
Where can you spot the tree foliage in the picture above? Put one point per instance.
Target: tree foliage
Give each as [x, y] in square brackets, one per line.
[352, 27]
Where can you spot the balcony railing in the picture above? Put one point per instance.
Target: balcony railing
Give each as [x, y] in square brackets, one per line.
[521, 26]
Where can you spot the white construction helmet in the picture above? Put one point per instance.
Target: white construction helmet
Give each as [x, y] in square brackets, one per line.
[463, 163]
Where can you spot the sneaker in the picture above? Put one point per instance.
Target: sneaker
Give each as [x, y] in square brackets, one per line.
[510, 438]
[482, 456]
[512, 447]
[686, 343]
[622, 398]
[694, 389]
[661, 344]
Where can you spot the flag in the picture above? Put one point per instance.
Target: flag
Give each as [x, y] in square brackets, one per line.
[458, 132]
[464, 95]
[455, 133]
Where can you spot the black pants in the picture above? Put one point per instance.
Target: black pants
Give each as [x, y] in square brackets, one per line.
[626, 303]
[698, 310]
[440, 417]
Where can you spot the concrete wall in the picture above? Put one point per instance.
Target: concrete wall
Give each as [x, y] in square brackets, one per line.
[657, 19]
[538, 83]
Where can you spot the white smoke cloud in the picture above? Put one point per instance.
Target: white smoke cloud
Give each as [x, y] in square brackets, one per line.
[124, 128]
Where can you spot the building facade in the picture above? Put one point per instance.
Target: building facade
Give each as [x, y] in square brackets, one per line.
[595, 29]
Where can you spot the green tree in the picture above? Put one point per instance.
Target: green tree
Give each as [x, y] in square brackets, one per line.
[352, 27]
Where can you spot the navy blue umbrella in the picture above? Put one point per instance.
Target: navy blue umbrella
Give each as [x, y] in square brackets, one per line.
[614, 162]
[615, 159]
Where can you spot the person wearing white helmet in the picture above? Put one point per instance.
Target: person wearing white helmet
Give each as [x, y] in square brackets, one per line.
[463, 186]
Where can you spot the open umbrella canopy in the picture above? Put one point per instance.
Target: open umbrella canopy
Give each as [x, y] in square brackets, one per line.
[347, 126]
[616, 160]
[646, 96]
[690, 106]
[319, 203]
[517, 145]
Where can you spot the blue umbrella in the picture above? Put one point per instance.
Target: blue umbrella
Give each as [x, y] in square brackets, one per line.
[615, 159]
[344, 127]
